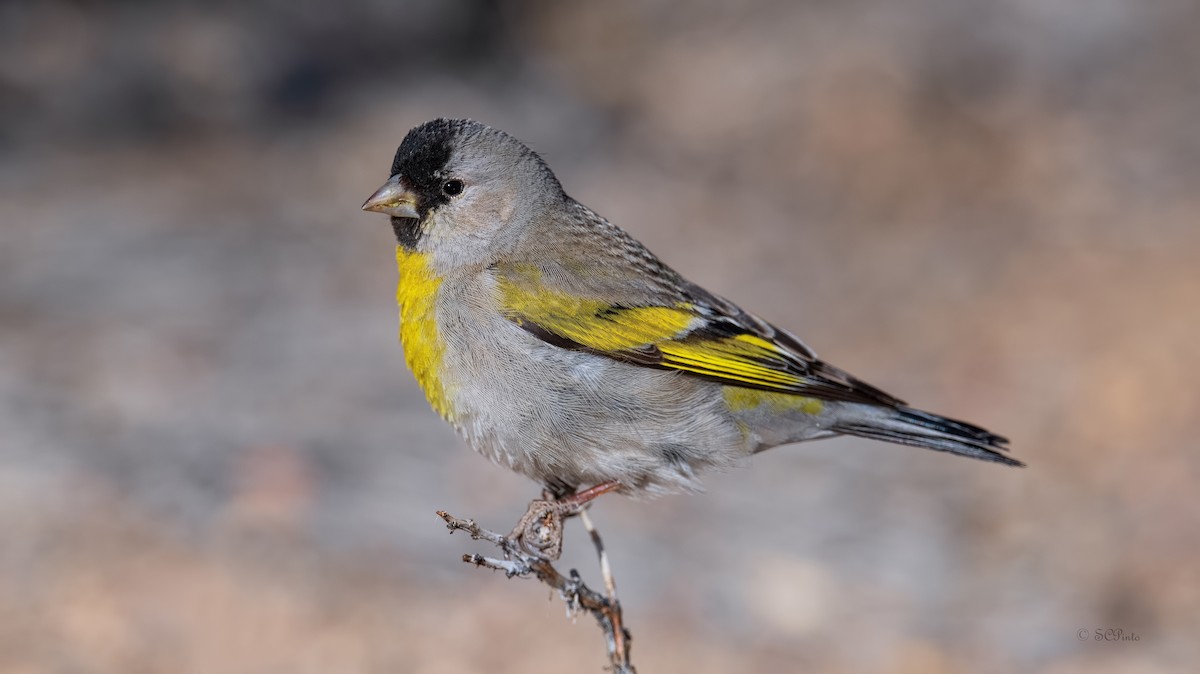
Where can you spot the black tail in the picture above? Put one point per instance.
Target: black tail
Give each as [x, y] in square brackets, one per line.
[907, 426]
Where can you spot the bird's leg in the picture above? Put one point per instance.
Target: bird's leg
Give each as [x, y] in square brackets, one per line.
[539, 531]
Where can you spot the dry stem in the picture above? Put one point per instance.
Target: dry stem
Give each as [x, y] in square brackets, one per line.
[524, 557]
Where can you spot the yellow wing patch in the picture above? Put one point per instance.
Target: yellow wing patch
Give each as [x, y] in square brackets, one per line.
[592, 323]
[711, 340]
[739, 359]
[668, 337]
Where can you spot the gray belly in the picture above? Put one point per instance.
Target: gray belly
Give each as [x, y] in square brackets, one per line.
[576, 419]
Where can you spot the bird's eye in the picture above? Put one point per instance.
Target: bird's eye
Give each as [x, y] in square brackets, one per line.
[452, 187]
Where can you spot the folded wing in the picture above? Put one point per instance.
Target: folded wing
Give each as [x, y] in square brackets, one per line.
[688, 330]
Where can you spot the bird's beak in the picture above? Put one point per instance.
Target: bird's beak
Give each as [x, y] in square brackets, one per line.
[393, 199]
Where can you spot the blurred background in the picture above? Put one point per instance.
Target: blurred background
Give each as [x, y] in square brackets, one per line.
[213, 459]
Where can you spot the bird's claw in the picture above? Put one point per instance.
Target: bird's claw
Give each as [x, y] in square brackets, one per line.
[539, 531]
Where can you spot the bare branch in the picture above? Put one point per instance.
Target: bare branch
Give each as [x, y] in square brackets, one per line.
[524, 557]
[619, 635]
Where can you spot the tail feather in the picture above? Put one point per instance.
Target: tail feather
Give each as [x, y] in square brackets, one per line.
[908, 426]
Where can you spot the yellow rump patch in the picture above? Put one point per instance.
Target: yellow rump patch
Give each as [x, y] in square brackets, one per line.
[744, 399]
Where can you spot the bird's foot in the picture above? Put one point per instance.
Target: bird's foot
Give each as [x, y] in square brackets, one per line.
[539, 531]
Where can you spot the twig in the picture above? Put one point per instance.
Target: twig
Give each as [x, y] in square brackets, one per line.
[621, 636]
[528, 558]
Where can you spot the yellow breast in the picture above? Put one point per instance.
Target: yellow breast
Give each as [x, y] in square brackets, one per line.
[423, 348]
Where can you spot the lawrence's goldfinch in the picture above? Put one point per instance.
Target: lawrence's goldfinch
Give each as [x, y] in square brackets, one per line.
[562, 348]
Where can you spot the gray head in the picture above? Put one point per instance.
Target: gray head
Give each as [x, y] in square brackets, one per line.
[458, 184]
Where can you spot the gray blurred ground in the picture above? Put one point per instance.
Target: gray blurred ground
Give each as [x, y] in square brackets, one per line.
[212, 458]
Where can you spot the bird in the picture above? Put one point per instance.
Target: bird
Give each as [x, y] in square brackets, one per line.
[559, 346]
